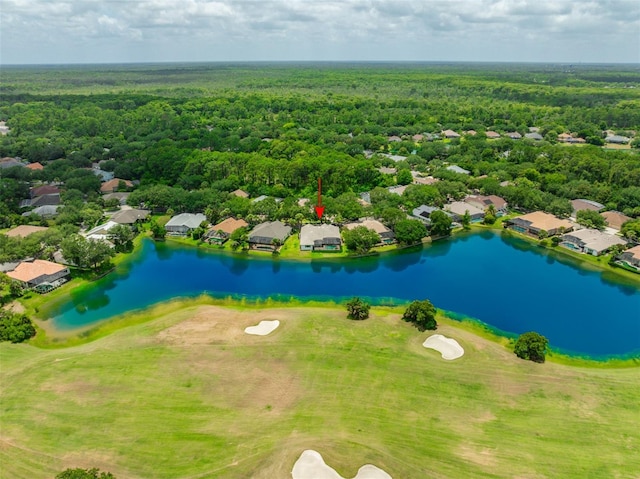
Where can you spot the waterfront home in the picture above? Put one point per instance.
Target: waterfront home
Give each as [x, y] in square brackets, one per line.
[101, 232]
[386, 235]
[322, 237]
[423, 213]
[631, 258]
[582, 204]
[269, 236]
[459, 208]
[23, 231]
[484, 201]
[220, 233]
[534, 223]
[184, 223]
[457, 169]
[129, 216]
[615, 219]
[39, 274]
[590, 241]
[114, 184]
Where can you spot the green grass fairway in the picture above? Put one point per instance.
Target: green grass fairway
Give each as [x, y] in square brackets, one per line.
[189, 395]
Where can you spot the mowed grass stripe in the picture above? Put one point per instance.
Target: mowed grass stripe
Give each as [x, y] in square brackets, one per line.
[189, 395]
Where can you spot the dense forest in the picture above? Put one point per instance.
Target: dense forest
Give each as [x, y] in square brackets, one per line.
[188, 135]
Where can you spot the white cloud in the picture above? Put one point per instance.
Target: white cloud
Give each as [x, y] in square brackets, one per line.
[500, 30]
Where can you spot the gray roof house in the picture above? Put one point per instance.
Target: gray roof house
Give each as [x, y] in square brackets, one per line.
[457, 169]
[617, 139]
[130, 216]
[423, 213]
[590, 241]
[184, 223]
[631, 258]
[44, 211]
[323, 237]
[262, 236]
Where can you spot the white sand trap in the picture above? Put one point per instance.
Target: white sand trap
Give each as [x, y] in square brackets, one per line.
[448, 347]
[310, 465]
[263, 328]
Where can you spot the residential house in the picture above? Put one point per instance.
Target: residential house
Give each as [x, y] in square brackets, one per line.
[615, 219]
[103, 175]
[417, 138]
[37, 166]
[240, 193]
[483, 202]
[8, 162]
[386, 235]
[471, 132]
[121, 196]
[534, 223]
[40, 274]
[23, 231]
[492, 135]
[394, 139]
[514, 135]
[129, 216]
[450, 134]
[590, 241]
[44, 190]
[397, 190]
[395, 158]
[268, 236]
[220, 233]
[184, 223]
[631, 258]
[617, 139]
[429, 180]
[582, 204]
[423, 213]
[564, 137]
[100, 232]
[45, 211]
[535, 136]
[322, 237]
[459, 208]
[457, 169]
[387, 171]
[43, 200]
[4, 129]
[114, 184]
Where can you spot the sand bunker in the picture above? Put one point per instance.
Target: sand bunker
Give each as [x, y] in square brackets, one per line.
[263, 328]
[449, 348]
[310, 465]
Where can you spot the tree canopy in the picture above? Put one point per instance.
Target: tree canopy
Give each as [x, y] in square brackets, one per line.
[422, 314]
[531, 346]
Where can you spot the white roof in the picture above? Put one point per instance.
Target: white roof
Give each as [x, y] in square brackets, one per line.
[189, 220]
[100, 231]
[459, 208]
[311, 233]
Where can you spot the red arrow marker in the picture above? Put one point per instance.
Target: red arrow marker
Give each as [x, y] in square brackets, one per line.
[319, 207]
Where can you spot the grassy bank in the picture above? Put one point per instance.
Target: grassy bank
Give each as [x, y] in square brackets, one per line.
[186, 394]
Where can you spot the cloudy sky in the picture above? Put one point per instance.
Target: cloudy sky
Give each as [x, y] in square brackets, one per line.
[108, 31]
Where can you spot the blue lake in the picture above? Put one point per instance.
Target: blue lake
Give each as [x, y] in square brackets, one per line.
[501, 280]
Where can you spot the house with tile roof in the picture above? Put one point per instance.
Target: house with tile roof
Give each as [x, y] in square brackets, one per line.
[220, 233]
[590, 241]
[184, 223]
[324, 237]
[534, 223]
[459, 208]
[484, 201]
[615, 219]
[386, 235]
[631, 258]
[40, 274]
[23, 231]
[113, 185]
[269, 236]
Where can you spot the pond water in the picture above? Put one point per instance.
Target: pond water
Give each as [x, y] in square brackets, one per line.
[503, 281]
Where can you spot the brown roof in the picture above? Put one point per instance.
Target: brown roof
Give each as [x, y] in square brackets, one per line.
[240, 193]
[229, 225]
[545, 221]
[111, 185]
[23, 231]
[44, 190]
[492, 134]
[35, 166]
[484, 201]
[635, 252]
[28, 271]
[615, 219]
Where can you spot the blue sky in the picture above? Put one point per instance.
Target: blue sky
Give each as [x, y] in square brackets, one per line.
[94, 31]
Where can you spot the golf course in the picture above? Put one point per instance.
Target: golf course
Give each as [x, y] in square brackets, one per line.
[184, 392]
